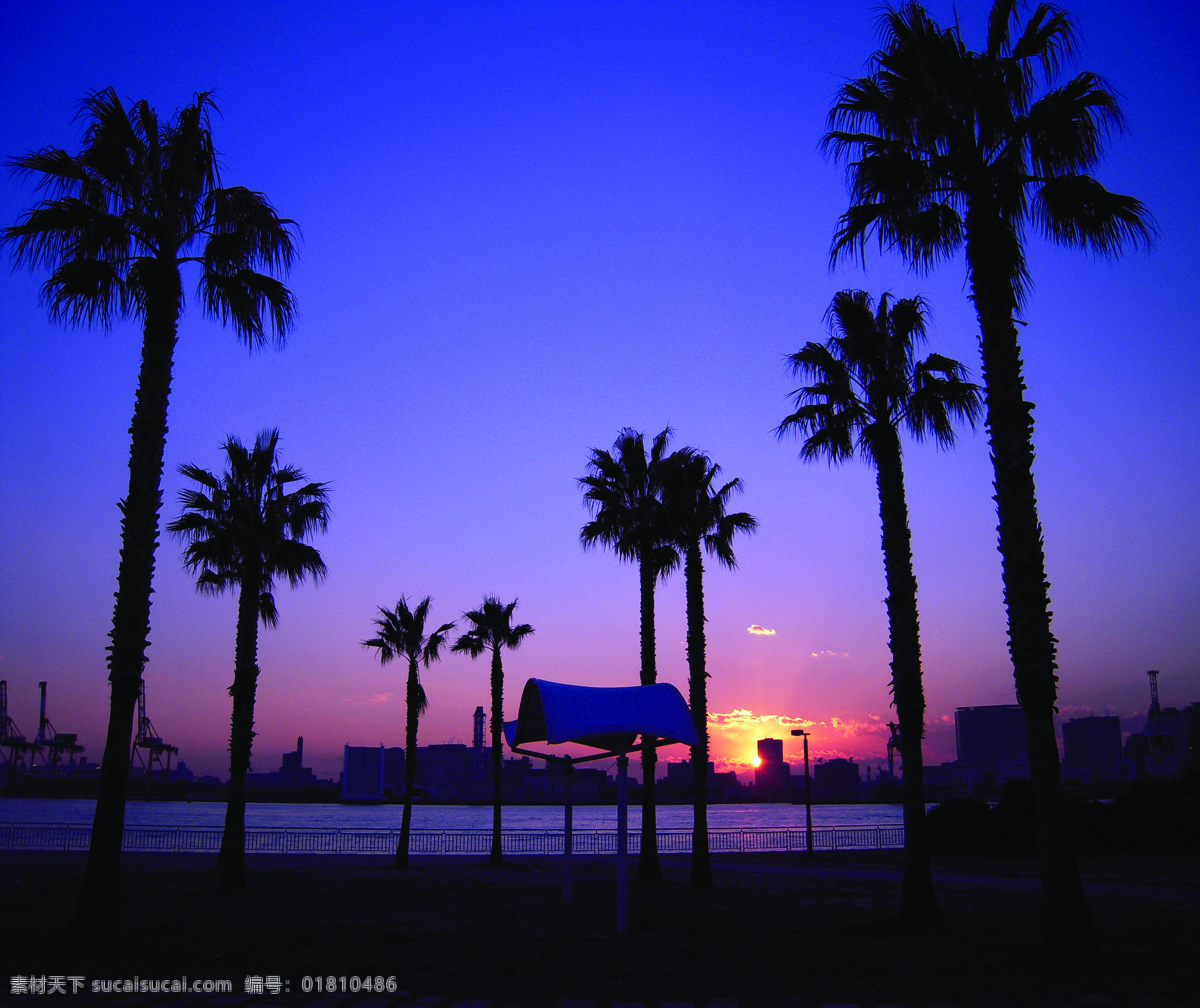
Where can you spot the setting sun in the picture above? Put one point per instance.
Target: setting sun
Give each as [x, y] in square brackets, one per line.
[756, 761]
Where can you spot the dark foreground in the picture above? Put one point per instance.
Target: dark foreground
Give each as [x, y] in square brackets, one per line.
[778, 930]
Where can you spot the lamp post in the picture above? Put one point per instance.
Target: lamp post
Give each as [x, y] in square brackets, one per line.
[807, 793]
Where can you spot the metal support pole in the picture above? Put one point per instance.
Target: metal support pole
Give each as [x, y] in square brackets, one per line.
[808, 839]
[807, 801]
[569, 775]
[622, 842]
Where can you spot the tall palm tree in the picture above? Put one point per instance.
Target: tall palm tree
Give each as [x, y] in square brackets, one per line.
[244, 529]
[402, 634]
[122, 217]
[492, 630]
[697, 510]
[948, 148]
[867, 385]
[623, 491]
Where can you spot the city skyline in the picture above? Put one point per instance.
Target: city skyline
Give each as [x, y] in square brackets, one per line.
[525, 228]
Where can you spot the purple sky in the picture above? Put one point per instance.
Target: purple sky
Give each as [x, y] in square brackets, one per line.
[526, 226]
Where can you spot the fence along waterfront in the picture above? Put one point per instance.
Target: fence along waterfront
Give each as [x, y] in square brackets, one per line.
[191, 839]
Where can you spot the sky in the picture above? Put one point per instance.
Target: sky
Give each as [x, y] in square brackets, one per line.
[526, 226]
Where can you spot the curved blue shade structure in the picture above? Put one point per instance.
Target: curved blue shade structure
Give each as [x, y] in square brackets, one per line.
[603, 717]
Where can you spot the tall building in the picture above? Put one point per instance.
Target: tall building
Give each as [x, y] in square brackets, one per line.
[772, 776]
[837, 780]
[1092, 744]
[370, 773]
[991, 741]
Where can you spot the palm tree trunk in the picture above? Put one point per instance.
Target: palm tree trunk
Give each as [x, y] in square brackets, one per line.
[918, 900]
[1065, 915]
[98, 910]
[496, 857]
[693, 573]
[649, 869]
[232, 857]
[412, 702]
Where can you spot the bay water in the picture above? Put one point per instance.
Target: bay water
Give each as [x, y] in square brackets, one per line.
[79, 811]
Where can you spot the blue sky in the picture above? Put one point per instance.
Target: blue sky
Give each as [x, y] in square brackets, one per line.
[526, 226]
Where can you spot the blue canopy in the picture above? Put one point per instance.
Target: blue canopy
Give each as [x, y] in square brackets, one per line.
[603, 717]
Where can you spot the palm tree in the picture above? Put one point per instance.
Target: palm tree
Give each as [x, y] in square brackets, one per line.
[866, 386]
[492, 630]
[696, 506]
[402, 633]
[244, 529]
[623, 491]
[123, 215]
[948, 148]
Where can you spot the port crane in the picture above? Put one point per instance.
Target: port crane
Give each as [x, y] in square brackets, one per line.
[893, 744]
[61, 747]
[149, 749]
[17, 750]
[1161, 743]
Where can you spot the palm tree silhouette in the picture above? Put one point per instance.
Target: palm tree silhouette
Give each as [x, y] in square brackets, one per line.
[402, 634]
[492, 630]
[244, 529]
[122, 217]
[947, 148]
[866, 386]
[623, 490]
[696, 506]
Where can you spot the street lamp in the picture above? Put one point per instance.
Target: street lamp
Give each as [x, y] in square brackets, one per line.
[807, 793]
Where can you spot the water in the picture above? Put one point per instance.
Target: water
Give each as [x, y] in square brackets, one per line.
[79, 811]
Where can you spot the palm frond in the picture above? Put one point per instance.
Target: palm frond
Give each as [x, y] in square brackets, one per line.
[1077, 211]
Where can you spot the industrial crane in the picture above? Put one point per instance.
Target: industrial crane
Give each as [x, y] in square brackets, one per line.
[18, 752]
[62, 748]
[148, 747]
[893, 744]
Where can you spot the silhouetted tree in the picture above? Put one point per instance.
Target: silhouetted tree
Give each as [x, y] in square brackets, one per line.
[492, 630]
[244, 529]
[623, 490]
[696, 506]
[948, 148]
[866, 386]
[123, 215]
[402, 634]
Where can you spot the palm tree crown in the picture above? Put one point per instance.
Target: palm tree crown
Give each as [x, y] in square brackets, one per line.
[143, 197]
[247, 527]
[867, 382]
[401, 633]
[623, 490]
[946, 142]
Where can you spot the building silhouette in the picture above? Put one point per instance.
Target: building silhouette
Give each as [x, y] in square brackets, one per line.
[836, 780]
[1092, 748]
[772, 775]
[372, 773]
[991, 743]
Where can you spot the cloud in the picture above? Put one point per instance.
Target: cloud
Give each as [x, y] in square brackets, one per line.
[740, 720]
[760, 631]
[830, 654]
[368, 700]
[873, 725]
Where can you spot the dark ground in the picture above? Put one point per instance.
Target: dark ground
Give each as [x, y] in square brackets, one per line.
[776, 927]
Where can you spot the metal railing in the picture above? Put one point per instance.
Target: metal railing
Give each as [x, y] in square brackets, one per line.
[191, 839]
